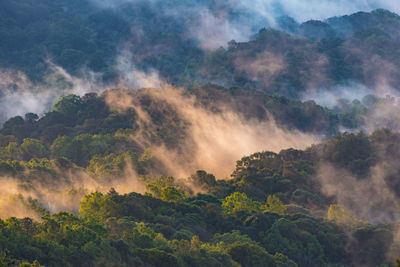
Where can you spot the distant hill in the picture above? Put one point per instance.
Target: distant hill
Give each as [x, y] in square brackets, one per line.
[79, 35]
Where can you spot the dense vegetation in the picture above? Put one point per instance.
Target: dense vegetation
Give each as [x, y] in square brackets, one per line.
[273, 212]
[78, 35]
[81, 184]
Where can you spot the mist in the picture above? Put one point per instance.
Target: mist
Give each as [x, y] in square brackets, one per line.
[63, 194]
[131, 77]
[370, 198]
[330, 97]
[214, 139]
[19, 95]
[215, 23]
[302, 11]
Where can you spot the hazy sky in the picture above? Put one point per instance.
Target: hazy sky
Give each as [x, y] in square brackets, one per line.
[216, 22]
[301, 10]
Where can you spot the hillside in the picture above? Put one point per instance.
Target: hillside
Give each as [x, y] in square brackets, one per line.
[277, 209]
[198, 133]
[79, 35]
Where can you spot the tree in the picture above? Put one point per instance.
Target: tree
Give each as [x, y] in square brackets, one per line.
[230, 238]
[351, 151]
[31, 117]
[202, 179]
[6, 139]
[96, 206]
[339, 214]
[33, 264]
[171, 193]
[283, 261]
[14, 126]
[249, 255]
[33, 148]
[274, 204]
[13, 150]
[106, 168]
[239, 202]
[70, 106]
[61, 147]
[71, 59]
[155, 185]
[157, 257]
[5, 261]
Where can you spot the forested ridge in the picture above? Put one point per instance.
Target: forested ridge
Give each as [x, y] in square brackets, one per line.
[80, 35]
[272, 211]
[149, 145]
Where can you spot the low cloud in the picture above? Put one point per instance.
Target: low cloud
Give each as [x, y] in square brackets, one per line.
[214, 23]
[18, 95]
[214, 139]
[369, 198]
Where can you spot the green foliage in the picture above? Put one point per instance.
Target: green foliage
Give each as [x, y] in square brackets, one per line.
[82, 148]
[32, 148]
[339, 214]
[230, 238]
[33, 264]
[70, 104]
[282, 260]
[351, 151]
[284, 236]
[157, 257]
[250, 255]
[141, 236]
[92, 206]
[6, 139]
[106, 168]
[203, 180]
[72, 33]
[377, 238]
[274, 204]
[239, 221]
[156, 185]
[133, 228]
[171, 193]
[239, 204]
[165, 188]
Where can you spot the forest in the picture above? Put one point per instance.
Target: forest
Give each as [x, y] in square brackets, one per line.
[130, 138]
